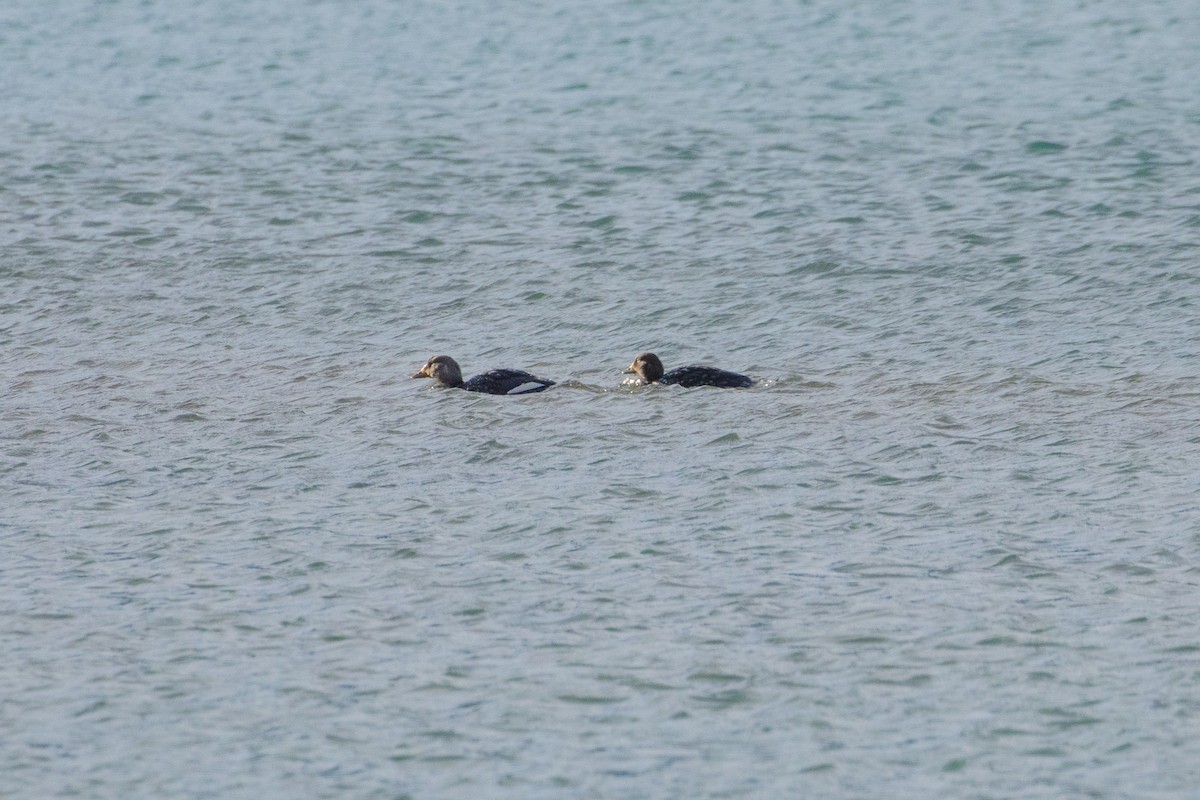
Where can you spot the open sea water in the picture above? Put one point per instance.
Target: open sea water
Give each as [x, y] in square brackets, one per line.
[948, 545]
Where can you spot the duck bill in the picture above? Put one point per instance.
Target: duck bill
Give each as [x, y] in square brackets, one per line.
[420, 374]
[628, 370]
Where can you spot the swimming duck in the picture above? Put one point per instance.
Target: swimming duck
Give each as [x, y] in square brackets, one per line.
[445, 372]
[649, 368]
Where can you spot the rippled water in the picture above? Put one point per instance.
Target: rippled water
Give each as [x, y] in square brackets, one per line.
[947, 547]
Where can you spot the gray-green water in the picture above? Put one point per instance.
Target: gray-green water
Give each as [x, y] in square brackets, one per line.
[947, 547]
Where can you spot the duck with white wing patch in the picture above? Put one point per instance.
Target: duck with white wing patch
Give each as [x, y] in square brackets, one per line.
[446, 373]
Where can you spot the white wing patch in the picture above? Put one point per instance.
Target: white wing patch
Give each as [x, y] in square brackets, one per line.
[528, 386]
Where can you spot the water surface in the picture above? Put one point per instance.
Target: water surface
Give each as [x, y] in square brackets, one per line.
[947, 546]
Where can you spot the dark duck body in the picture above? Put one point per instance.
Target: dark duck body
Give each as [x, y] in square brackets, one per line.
[649, 368]
[445, 372]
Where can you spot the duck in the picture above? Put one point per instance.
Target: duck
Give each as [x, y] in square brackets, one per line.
[649, 368]
[445, 372]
